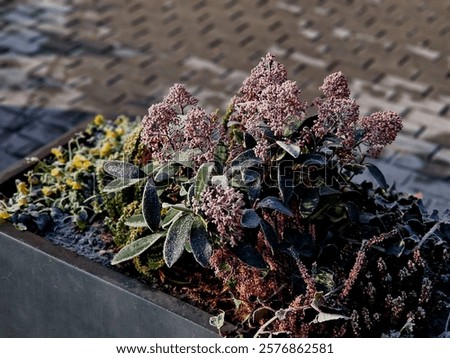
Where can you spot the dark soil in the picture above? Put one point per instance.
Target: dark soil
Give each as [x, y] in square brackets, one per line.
[90, 243]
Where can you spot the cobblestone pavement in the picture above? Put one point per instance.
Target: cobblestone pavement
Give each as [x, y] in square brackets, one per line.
[63, 60]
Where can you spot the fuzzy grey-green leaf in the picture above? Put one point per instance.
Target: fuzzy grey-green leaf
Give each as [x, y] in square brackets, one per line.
[123, 170]
[119, 184]
[179, 232]
[136, 248]
[203, 176]
[136, 221]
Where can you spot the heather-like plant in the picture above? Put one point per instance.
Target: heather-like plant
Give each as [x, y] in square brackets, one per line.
[265, 197]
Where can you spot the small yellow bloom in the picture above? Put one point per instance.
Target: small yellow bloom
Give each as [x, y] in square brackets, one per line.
[120, 131]
[105, 149]
[80, 162]
[99, 120]
[47, 191]
[94, 151]
[110, 134]
[22, 201]
[56, 172]
[22, 188]
[4, 214]
[56, 152]
[73, 184]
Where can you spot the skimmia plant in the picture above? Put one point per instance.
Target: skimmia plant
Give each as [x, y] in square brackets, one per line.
[265, 197]
[263, 202]
[264, 169]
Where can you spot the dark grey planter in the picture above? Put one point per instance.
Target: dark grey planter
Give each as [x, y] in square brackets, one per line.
[48, 291]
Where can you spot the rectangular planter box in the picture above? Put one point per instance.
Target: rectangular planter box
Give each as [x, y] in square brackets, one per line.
[49, 291]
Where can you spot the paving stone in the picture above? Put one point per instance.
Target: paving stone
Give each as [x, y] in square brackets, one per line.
[114, 56]
[18, 145]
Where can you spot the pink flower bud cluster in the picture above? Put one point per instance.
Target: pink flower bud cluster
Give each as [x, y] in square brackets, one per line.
[339, 114]
[268, 100]
[224, 208]
[380, 129]
[166, 131]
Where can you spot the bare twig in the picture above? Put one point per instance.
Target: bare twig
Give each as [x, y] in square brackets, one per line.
[431, 232]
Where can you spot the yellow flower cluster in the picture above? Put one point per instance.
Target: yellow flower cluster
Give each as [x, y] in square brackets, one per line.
[80, 162]
[73, 184]
[58, 154]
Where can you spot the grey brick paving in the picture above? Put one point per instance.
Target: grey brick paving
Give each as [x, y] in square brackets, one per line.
[63, 60]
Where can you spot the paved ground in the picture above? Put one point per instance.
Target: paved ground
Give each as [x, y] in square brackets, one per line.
[63, 60]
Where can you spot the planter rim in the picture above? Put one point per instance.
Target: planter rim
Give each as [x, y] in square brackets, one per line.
[132, 285]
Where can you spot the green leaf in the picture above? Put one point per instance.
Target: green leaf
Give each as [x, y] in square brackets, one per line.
[165, 172]
[378, 175]
[249, 255]
[179, 207]
[249, 176]
[170, 217]
[136, 248]
[291, 149]
[179, 232]
[184, 158]
[217, 321]
[136, 221]
[324, 317]
[269, 233]
[221, 180]
[123, 170]
[119, 184]
[308, 202]
[200, 245]
[151, 208]
[274, 203]
[249, 154]
[203, 176]
[285, 177]
[250, 219]
[311, 159]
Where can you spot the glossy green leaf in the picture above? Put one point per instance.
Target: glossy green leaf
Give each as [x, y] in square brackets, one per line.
[274, 203]
[151, 207]
[136, 248]
[249, 255]
[308, 202]
[179, 232]
[311, 159]
[199, 242]
[291, 149]
[250, 219]
[249, 176]
[378, 175]
[249, 154]
[285, 177]
[269, 233]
